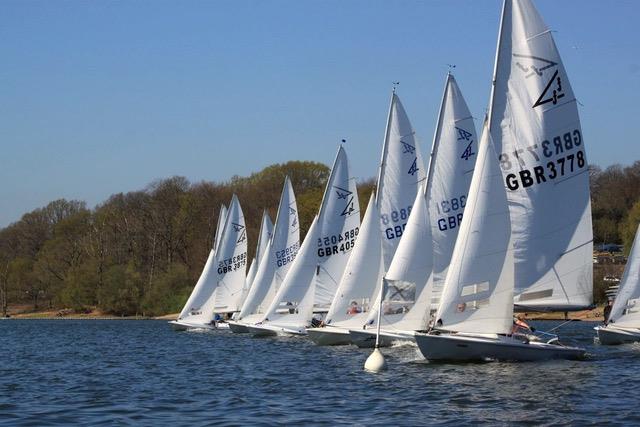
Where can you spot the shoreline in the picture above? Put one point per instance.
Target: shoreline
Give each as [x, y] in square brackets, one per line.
[594, 315]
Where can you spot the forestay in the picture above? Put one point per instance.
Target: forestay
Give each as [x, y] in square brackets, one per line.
[324, 253]
[194, 309]
[277, 259]
[478, 292]
[538, 141]
[231, 261]
[626, 308]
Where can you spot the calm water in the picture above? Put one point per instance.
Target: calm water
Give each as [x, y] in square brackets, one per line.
[100, 372]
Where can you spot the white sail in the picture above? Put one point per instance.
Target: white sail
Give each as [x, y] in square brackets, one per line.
[478, 292]
[362, 274]
[324, 253]
[206, 283]
[231, 260]
[409, 278]
[401, 171]
[453, 157]
[538, 140]
[222, 217]
[277, 259]
[266, 230]
[626, 307]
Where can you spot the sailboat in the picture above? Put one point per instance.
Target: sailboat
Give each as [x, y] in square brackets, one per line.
[417, 271]
[401, 172]
[279, 254]
[205, 285]
[623, 324]
[223, 278]
[523, 184]
[312, 280]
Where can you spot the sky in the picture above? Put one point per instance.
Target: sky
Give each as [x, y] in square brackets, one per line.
[101, 97]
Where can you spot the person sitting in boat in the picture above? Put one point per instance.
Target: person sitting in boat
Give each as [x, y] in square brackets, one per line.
[522, 329]
[354, 308]
[216, 319]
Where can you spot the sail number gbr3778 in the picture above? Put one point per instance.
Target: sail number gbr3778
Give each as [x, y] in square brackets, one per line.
[338, 243]
[556, 158]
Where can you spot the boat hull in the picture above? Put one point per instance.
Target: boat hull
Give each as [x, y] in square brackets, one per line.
[186, 326]
[329, 336]
[469, 348]
[609, 335]
[266, 330]
[238, 328]
[364, 338]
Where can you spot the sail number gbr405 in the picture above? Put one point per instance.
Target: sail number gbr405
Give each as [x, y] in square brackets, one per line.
[338, 243]
[559, 157]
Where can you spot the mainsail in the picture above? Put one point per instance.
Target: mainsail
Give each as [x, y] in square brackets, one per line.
[538, 141]
[401, 172]
[193, 310]
[277, 259]
[453, 159]
[626, 308]
[313, 279]
[231, 261]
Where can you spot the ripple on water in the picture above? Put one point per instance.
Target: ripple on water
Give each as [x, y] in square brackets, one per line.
[143, 373]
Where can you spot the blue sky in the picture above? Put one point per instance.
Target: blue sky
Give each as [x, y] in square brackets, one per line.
[100, 97]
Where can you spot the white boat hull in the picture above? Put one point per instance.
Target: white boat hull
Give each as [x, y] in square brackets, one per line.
[186, 326]
[611, 335]
[467, 348]
[266, 330]
[329, 336]
[366, 338]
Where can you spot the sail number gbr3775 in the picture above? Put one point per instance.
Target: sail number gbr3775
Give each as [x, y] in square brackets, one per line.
[558, 157]
[337, 243]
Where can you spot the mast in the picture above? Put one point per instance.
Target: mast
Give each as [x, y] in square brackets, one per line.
[436, 135]
[495, 68]
[385, 145]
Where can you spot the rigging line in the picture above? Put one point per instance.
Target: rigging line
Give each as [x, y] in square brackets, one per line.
[560, 325]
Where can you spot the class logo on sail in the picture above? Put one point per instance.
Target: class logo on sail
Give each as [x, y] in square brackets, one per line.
[466, 136]
[292, 212]
[348, 196]
[239, 228]
[534, 66]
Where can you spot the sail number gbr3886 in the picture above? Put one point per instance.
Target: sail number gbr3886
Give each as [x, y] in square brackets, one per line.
[558, 157]
[338, 243]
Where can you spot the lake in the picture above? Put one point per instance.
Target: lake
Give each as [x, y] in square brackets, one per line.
[139, 372]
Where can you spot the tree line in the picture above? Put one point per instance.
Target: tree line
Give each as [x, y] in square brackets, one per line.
[141, 252]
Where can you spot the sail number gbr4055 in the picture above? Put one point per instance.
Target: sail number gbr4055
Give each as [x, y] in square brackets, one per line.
[338, 243]
[559, 157]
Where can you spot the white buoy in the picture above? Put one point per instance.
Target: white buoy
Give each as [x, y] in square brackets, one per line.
[375, 362]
